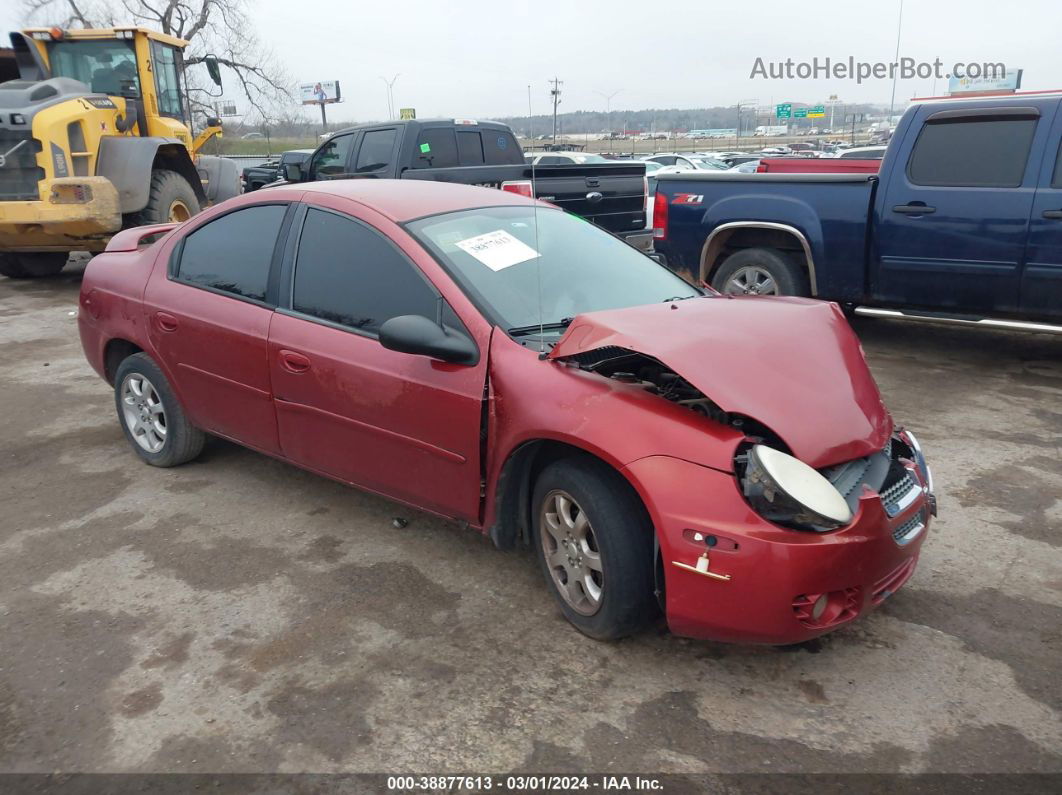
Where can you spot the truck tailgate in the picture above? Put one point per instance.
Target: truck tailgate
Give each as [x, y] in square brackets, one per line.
[610, 195]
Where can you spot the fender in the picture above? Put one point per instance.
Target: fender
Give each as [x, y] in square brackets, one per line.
[791, 230]
[220, 176]
[127, 161]
[778, 213]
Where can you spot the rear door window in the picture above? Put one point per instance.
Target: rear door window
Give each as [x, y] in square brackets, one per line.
[233, 253]
[469, 148]
[501, 149]
[436, 148]
[1056, 180]
[973, 153]
[375, 151]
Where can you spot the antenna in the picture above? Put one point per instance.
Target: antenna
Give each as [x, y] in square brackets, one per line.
[534, 211]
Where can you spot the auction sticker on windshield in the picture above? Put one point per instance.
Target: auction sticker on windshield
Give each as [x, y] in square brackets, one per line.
[497, 250]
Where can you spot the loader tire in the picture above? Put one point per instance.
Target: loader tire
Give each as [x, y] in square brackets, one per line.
[170, 200]
[35, 265]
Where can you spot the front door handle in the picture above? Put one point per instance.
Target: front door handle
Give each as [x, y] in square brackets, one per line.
[294, 362]
[1053, 215]
[913, 209]
[165, 322]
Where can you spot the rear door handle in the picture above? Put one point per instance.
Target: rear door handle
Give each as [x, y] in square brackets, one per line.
[1054, 215]
[166, 322]
[913, 209]
[294, 362]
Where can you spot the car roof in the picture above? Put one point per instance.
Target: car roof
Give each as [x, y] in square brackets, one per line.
[406, 199]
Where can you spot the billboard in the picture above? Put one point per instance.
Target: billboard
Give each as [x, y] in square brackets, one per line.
[319, 92]
[1011, 81]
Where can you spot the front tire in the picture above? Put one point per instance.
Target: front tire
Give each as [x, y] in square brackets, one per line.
[171, 200]
[593, 540]
[152, 419]
[32, 265]
[760, 271]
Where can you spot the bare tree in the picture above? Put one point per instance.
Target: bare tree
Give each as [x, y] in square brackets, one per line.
[222, 28]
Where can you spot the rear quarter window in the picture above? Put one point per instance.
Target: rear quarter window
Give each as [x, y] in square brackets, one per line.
[436, 148]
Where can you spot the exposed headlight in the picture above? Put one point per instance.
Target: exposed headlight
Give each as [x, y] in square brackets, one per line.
[785, 490]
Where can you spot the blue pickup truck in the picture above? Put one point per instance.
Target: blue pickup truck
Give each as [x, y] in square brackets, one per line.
[963, 221]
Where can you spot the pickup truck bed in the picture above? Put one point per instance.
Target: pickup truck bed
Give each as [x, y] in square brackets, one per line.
[963, 220]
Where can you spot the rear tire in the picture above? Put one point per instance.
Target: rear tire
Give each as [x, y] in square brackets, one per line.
[171, 199]
[150, 415]
[594, 542]
[760, 271]
[33, 265]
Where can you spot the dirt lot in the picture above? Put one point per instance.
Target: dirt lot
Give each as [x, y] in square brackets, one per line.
[237, 614]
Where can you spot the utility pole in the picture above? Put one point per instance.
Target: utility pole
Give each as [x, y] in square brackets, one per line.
[608, 112]
[899, 27]
[390, 95]
[555, 92]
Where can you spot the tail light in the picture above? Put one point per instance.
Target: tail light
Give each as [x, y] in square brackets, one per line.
[761, 168]
[522, 187]
[660, 216]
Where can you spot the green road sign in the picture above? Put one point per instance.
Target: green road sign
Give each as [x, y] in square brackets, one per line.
[784, 111]
[800, 113]
[817, 112]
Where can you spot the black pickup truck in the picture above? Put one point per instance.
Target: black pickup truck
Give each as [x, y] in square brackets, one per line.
[255, 177]
[611, 195]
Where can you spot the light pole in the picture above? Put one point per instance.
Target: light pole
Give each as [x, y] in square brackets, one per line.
[390, 95]
[608, 112]
[899, 26]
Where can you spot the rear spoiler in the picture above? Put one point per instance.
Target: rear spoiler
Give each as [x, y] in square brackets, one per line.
[130, 239]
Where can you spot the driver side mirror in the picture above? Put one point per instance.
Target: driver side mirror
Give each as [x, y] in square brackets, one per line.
[213, 69]
[418, 335]
[293, 172]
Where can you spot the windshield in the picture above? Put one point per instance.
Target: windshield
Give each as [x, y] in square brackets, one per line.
[104, 65]
[498, 259]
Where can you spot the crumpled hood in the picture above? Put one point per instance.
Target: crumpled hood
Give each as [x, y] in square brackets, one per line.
[793, 364]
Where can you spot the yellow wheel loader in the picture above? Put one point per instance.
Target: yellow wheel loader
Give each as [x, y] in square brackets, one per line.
[95, 137]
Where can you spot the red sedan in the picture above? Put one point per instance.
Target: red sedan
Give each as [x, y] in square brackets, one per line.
[499, 362]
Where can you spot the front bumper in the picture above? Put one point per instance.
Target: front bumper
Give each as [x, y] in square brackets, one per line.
[762, 582]
[62, 222]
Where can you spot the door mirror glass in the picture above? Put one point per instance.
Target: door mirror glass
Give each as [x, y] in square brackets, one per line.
[419, 335]
[293, 172]
[213, 69]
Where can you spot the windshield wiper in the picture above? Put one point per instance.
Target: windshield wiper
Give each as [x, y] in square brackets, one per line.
[678, 298]
[563, 323]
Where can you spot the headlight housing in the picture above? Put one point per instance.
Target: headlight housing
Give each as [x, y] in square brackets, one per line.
[785, 490]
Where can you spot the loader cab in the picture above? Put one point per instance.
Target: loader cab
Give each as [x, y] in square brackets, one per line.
[139, 65]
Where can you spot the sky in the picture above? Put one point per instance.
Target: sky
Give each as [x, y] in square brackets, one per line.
[476, 58]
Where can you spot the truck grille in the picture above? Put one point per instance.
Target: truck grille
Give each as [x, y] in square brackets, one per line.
[19, 172]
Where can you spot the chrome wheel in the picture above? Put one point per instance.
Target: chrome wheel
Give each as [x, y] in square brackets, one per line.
[752, 280]
[571, 552]
[143, 412]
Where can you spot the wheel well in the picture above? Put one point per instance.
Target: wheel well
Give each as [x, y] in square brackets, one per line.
[116, 352]
[512, 516]
[175, 158]
[730, 241]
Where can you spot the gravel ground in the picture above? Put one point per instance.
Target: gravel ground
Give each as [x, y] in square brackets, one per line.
[238, 614]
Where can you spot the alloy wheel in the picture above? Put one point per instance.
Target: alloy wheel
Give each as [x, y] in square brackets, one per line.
[143, 412]
[571, 552]
[752, 280]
